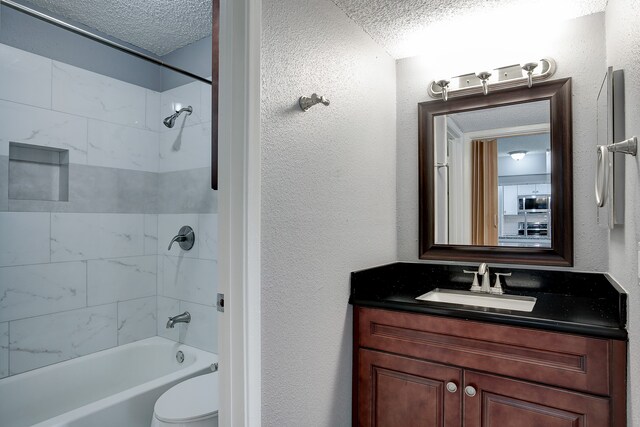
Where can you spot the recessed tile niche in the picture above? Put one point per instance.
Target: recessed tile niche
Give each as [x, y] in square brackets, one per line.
[38, 173]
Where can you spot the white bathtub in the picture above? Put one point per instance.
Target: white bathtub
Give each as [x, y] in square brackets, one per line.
[115, 387]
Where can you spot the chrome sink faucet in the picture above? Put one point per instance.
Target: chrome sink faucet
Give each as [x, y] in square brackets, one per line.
[483, 270]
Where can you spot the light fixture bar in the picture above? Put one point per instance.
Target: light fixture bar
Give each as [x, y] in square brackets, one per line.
[547, 68]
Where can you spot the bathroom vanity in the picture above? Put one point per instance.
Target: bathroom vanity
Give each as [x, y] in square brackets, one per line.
[424, 363]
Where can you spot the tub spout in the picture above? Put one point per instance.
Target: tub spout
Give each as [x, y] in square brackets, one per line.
[180, 318]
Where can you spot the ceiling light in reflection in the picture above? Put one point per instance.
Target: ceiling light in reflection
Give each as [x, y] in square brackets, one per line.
[517, 155]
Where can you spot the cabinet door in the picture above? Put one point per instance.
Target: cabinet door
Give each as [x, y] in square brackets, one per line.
[396, 391]
[503, 402]
[510, 200]
[526, 189]
[543, 188]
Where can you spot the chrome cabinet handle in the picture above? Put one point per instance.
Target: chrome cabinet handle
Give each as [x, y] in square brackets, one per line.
[452, 387]
[470, 391]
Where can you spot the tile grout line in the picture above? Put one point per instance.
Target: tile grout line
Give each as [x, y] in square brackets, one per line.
[108, 259]
[86, 284]
[51, 86]
[8, 349]
[64, 311]
[50, 235]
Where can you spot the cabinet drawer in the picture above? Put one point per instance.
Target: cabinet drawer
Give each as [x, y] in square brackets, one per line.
[570, 361]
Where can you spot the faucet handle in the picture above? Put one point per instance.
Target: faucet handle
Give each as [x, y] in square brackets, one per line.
[475, 286]
[497, 288]
[185, 238]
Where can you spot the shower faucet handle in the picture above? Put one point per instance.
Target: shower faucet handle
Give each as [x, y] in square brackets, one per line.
[185, 238]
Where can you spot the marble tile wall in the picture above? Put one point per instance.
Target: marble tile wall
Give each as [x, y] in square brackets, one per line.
[94, 272]
[82, 282]
[188, 280]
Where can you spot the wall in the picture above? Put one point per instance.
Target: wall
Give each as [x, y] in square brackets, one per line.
[328, 202]
[77, 276]
[37, 36]
[578, 47]
[81, 275]
[187, 280]
[27, 33]
[194, 57]
[623, 52]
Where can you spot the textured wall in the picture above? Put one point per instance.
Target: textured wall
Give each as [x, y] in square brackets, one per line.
[578, 47]
[328, 202]
[623, 52]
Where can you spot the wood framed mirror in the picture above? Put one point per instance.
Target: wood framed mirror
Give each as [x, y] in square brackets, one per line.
[479, 200]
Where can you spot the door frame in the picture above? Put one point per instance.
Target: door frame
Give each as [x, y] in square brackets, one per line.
[239, 334]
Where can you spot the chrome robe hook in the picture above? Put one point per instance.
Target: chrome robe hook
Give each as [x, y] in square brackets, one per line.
[307, 102]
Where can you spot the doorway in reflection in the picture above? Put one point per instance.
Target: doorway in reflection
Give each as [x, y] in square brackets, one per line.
[493, 176]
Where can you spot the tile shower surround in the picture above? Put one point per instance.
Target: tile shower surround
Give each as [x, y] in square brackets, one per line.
[94, 272]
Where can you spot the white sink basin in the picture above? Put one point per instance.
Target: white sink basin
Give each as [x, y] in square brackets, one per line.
[505, 302]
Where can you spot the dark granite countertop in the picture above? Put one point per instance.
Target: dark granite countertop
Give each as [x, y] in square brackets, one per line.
[590, 304]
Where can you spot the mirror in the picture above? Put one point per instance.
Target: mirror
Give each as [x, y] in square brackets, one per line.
[495, 176]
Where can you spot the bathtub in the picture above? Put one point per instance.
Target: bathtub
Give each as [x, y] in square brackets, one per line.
[115, 387]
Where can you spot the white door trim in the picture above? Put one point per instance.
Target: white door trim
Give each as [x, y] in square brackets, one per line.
[239, 335]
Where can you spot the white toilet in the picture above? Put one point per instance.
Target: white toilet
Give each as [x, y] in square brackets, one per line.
[191, 403]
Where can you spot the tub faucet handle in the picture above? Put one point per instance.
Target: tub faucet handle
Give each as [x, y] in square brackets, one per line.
[185, 238]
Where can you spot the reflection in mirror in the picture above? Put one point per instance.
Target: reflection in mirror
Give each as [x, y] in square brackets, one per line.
[495, 176]
[492, 176]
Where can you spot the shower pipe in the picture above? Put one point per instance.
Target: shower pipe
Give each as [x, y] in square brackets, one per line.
[36, 14]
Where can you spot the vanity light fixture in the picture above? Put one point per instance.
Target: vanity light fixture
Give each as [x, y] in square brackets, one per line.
[484, 78]
[529, 67]
[509, 76]
[517, 155]
[444, 86]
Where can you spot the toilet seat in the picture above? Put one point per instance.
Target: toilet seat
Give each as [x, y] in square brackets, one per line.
[191, 400]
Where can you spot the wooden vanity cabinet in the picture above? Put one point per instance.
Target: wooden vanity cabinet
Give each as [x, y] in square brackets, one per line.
[420, 370]
[399, 391]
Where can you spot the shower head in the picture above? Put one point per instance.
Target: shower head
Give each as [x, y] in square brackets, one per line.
[171, 120]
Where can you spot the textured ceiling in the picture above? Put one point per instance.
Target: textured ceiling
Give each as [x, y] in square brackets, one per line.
[158, 26]
[402, 27]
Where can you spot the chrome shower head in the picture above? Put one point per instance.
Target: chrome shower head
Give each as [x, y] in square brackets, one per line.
[171, 120]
